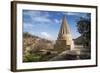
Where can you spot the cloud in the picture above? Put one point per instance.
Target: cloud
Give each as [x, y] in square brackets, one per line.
[31, 13]
[45, 35]
[41, 19]
[37, 17]
[73, 13]
[28, 25]
[76, 14]
[69, 13]
[56, 21]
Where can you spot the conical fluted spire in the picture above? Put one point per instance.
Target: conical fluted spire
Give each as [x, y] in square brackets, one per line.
[64, 40]
[64, 27]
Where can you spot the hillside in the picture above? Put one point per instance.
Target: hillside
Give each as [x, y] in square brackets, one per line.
[35, 46]
[37, 49]
[78, 41]
[36, 43]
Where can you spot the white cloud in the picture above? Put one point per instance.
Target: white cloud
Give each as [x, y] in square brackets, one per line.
[41, 19]
[76, 14]
[71, 13]
[37, 17]
[45, 35]
[56, 21]
[28, 25]
[32, 13]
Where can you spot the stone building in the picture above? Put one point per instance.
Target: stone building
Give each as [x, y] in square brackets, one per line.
[64, 40]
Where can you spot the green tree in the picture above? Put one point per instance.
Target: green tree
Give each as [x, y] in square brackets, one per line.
[84, 28]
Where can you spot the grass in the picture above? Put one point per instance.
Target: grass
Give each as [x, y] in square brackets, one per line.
[31, 58]
[36, 57]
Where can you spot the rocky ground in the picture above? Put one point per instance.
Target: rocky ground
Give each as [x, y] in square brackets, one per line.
[78, 53]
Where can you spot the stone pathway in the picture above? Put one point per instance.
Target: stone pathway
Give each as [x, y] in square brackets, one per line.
[77, 53]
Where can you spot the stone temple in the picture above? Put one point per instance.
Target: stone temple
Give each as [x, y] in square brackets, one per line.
[64, 40]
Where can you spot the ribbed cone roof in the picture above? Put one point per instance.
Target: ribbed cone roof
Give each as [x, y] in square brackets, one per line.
[64, 29]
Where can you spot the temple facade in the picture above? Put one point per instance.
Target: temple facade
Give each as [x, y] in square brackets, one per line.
[64, 40]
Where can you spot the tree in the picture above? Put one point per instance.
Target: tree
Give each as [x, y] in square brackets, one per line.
[84, 28]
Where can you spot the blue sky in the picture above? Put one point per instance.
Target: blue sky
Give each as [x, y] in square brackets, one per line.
[46, 24]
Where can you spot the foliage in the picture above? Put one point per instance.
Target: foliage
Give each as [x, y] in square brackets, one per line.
[27, 35]
[84, 28]
[31, 58]
[36, 57]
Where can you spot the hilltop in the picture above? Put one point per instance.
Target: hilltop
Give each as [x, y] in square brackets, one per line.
[34, 45]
